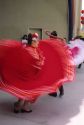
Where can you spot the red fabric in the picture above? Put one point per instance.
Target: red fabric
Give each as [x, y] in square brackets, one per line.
[27, 72]
[82, 11]
[75, 51]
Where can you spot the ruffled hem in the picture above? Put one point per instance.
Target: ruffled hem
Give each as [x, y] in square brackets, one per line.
[57, 69]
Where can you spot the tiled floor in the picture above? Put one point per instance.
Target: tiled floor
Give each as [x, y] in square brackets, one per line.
[68, 110]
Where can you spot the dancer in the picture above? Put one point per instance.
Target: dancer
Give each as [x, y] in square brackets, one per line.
[31, 46]
[61, 89]
[27, 72]
[24, 40]
[77, 47]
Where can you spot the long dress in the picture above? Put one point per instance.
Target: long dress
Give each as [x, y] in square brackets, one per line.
[28, 73]
[77, 48]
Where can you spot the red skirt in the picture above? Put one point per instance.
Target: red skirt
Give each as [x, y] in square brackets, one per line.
[19, 77]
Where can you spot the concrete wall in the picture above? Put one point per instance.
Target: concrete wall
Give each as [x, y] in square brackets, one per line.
[77, 25]
[17, 16]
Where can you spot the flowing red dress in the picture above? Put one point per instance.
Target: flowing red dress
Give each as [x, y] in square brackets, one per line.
[28, 72]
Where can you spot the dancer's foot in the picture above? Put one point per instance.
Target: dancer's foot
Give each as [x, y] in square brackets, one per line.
[61, 94]
[18, 106]
[26, 108]
[26, 111]
[53, 94]
[79, 66]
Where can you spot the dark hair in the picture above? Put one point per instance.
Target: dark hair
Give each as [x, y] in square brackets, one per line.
[82, 38]
[79, 37]
[54, 33]
[29, 39]
[24, 37]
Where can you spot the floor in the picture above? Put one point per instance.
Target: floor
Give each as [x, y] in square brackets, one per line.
[68, 110]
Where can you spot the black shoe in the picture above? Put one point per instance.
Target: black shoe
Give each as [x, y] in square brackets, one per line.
[16, 111]
[79, 66]
[25, 111]
[61, 94]
[61, 90]
[16, 107]
[53, 94]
